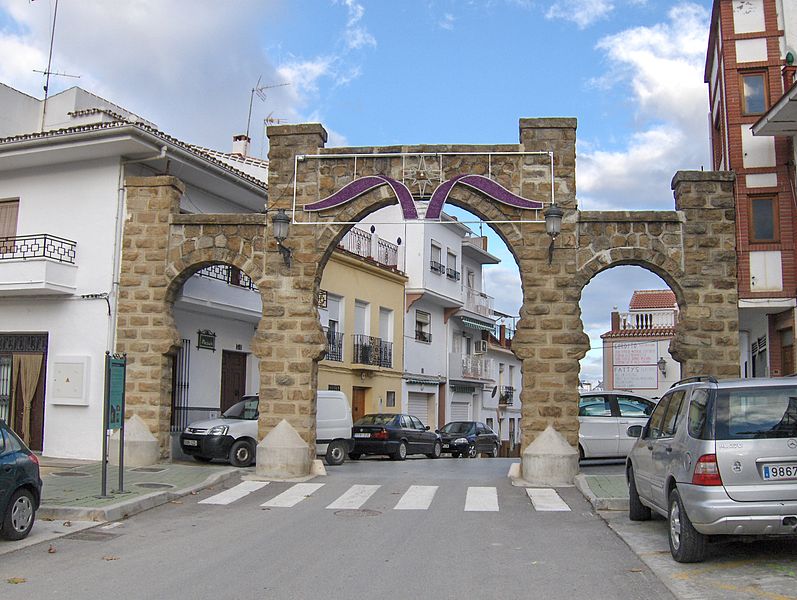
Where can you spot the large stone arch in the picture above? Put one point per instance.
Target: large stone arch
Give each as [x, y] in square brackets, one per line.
[692, 248]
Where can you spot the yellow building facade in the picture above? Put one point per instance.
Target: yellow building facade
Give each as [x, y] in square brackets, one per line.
[362, 312]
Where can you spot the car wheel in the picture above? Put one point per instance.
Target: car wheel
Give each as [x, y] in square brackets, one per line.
[472, 451]
[494, 451]
[202, 459]
[20, 514]
[436, 451]
[687, 545]
[241, 454]
[636, 510]
[401, 452]
[336, 453]
[354, 455]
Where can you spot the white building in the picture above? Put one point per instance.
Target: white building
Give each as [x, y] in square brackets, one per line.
[62, 210]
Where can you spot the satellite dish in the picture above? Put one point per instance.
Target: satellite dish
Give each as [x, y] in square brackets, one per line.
[495, 389]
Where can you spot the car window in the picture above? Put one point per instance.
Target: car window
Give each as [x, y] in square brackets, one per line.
[12, 442]
[656, 419]
[480, 429]
[698, 415]
[634, 407]
[417, 423]
[595, 406]
[671, 418]
[406, 422]
[375, 420]
[456, 427]
[757, 413]
[2, 442]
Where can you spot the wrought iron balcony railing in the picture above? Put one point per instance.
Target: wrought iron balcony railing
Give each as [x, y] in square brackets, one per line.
[387, 253]
[357, 242]
[452, 274]
[229, 275]
[436, 267]
[369, 350]
[507, 395]
[423, 336]
[334, 345]
[40, 245]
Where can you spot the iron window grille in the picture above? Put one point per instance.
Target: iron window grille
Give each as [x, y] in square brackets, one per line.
[334, 345]
[507, 395]
[436, 267]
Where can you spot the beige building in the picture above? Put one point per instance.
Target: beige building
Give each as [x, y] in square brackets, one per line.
[361, 307]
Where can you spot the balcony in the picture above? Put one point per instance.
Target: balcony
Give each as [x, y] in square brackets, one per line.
[478, 302]
[229, 275]
[40, 264]
[635, 321]
[507, 397]
[222, 290]
[361, 243]
[436, 267]
[334, 345]
[469, 366]
[452, 274]
[372, 351]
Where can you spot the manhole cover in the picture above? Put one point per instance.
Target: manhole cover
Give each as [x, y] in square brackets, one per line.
[357, 513]
[148, 470]
[91, 535]
[70, 474]
[154, 486]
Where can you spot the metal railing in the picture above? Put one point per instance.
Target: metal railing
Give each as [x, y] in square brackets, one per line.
[41, 245]
[334, 345]
[386, 253]
[476, 367]
[436, 267]
[228, 274]
[507, 396]
[647, 320]
[369, 350]
[478, 302]
[357, 242]
[423, 336]
[452, 274]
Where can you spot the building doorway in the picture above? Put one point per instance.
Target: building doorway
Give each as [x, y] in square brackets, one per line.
[357, 403]
[233, 378]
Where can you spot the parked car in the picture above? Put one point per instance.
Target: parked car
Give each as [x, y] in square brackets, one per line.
[20, 485]
[718, 458]
[469, 438]
[394, 435]
[234, 435]
[604, 418]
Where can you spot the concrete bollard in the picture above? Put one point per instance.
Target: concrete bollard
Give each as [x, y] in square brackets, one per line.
[141, 447]
[549, 460]
[283, 454]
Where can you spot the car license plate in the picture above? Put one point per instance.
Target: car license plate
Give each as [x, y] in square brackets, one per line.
[362, 435]
[190, 443]
[445, 446]
[779, 472]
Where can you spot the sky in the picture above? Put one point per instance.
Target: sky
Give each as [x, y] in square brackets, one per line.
[380, 72]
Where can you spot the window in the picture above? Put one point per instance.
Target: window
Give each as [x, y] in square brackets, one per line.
[698, 415]
[423, 326]
[451, 266]
[8, 218]
[361, 317]
[757, 413]
[471, 279]
[671, 419]
[391, 399]
[594, 406]
[763, 220]
[656, 419]
[385, 324]
[490, 422]
[754, 93]
[416, 423]
[634, 407]
[436, 260]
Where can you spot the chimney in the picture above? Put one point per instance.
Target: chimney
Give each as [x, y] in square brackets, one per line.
[240, 144]
[503, 334]
[615, 321]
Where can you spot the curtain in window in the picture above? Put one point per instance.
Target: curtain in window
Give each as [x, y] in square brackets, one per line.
[25, 371]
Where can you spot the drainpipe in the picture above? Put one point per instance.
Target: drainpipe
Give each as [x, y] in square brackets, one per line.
[117, 244]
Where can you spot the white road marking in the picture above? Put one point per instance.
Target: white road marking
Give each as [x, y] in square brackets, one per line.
[481, 499]
[113, 525]
[417, 497]
[354, 497]
[546, 499]
[234, 493]
[292, 496]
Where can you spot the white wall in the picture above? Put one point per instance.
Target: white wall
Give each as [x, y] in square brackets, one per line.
[20, 112]
[422, 358]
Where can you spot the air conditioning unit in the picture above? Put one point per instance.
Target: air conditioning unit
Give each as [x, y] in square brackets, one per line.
[481, 347]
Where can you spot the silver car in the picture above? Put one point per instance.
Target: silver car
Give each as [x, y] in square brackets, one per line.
[603, 421]
[718, 458]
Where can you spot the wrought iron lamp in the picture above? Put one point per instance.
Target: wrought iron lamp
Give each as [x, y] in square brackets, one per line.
[282, 222]
[553, 226]
[662, 365]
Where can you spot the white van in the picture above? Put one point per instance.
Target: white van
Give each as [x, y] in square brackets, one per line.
[233, 436]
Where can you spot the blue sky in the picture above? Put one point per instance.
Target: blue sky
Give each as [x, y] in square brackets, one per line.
[410, 71]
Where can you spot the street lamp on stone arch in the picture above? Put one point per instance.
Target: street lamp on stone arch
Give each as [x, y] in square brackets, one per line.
[553, 226]
[282, 222]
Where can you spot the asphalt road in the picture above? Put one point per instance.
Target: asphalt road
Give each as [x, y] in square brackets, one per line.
[245, 550]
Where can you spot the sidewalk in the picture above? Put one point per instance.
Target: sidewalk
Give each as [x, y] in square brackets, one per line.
[72, 488]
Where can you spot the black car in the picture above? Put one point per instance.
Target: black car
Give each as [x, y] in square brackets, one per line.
[469, 438]
[393, 435]
[20, 485]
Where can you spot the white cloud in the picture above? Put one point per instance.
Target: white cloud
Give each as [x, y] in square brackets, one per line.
[662, 67]
[581, 12]
[356, 34]
[447, 22]
[503, 283]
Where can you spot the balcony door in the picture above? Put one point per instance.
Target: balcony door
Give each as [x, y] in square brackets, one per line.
[8, 223]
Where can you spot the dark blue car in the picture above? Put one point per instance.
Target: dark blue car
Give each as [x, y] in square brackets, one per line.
[20, 485]
[394, 435]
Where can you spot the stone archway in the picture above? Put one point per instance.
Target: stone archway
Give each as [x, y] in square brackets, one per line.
[692, 248]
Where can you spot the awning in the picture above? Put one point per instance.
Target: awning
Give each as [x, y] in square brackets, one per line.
[474, 324]
[423, 380]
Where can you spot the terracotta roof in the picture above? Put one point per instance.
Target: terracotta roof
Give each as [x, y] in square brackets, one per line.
[119, 123]
[247, 160]
[629, 333]
[648, 299]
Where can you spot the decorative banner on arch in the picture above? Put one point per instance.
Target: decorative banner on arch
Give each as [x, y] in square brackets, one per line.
[363, 185]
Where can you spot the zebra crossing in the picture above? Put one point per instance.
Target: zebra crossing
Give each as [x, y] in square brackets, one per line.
[415, 498]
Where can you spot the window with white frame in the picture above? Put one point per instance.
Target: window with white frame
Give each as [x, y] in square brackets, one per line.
[390, 399]
[436, 259]
[423, 326]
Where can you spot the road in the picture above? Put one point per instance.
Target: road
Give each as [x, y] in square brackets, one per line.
[466, 532]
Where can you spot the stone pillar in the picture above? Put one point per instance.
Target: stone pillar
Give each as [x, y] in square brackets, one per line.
[707, 336]
[549, 340]
[290, 338]
[145, 326]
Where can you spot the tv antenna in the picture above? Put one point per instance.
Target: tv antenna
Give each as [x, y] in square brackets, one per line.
[48, 71]
[271, 120]
[260, 90]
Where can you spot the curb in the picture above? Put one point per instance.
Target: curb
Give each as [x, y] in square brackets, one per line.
[599, 503]
[132, 506]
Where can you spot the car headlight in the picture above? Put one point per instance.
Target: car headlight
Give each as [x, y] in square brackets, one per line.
[461, 441]
[218, 430]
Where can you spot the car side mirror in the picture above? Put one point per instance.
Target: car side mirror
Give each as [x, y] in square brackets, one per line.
[634, 431]
[427, 428]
